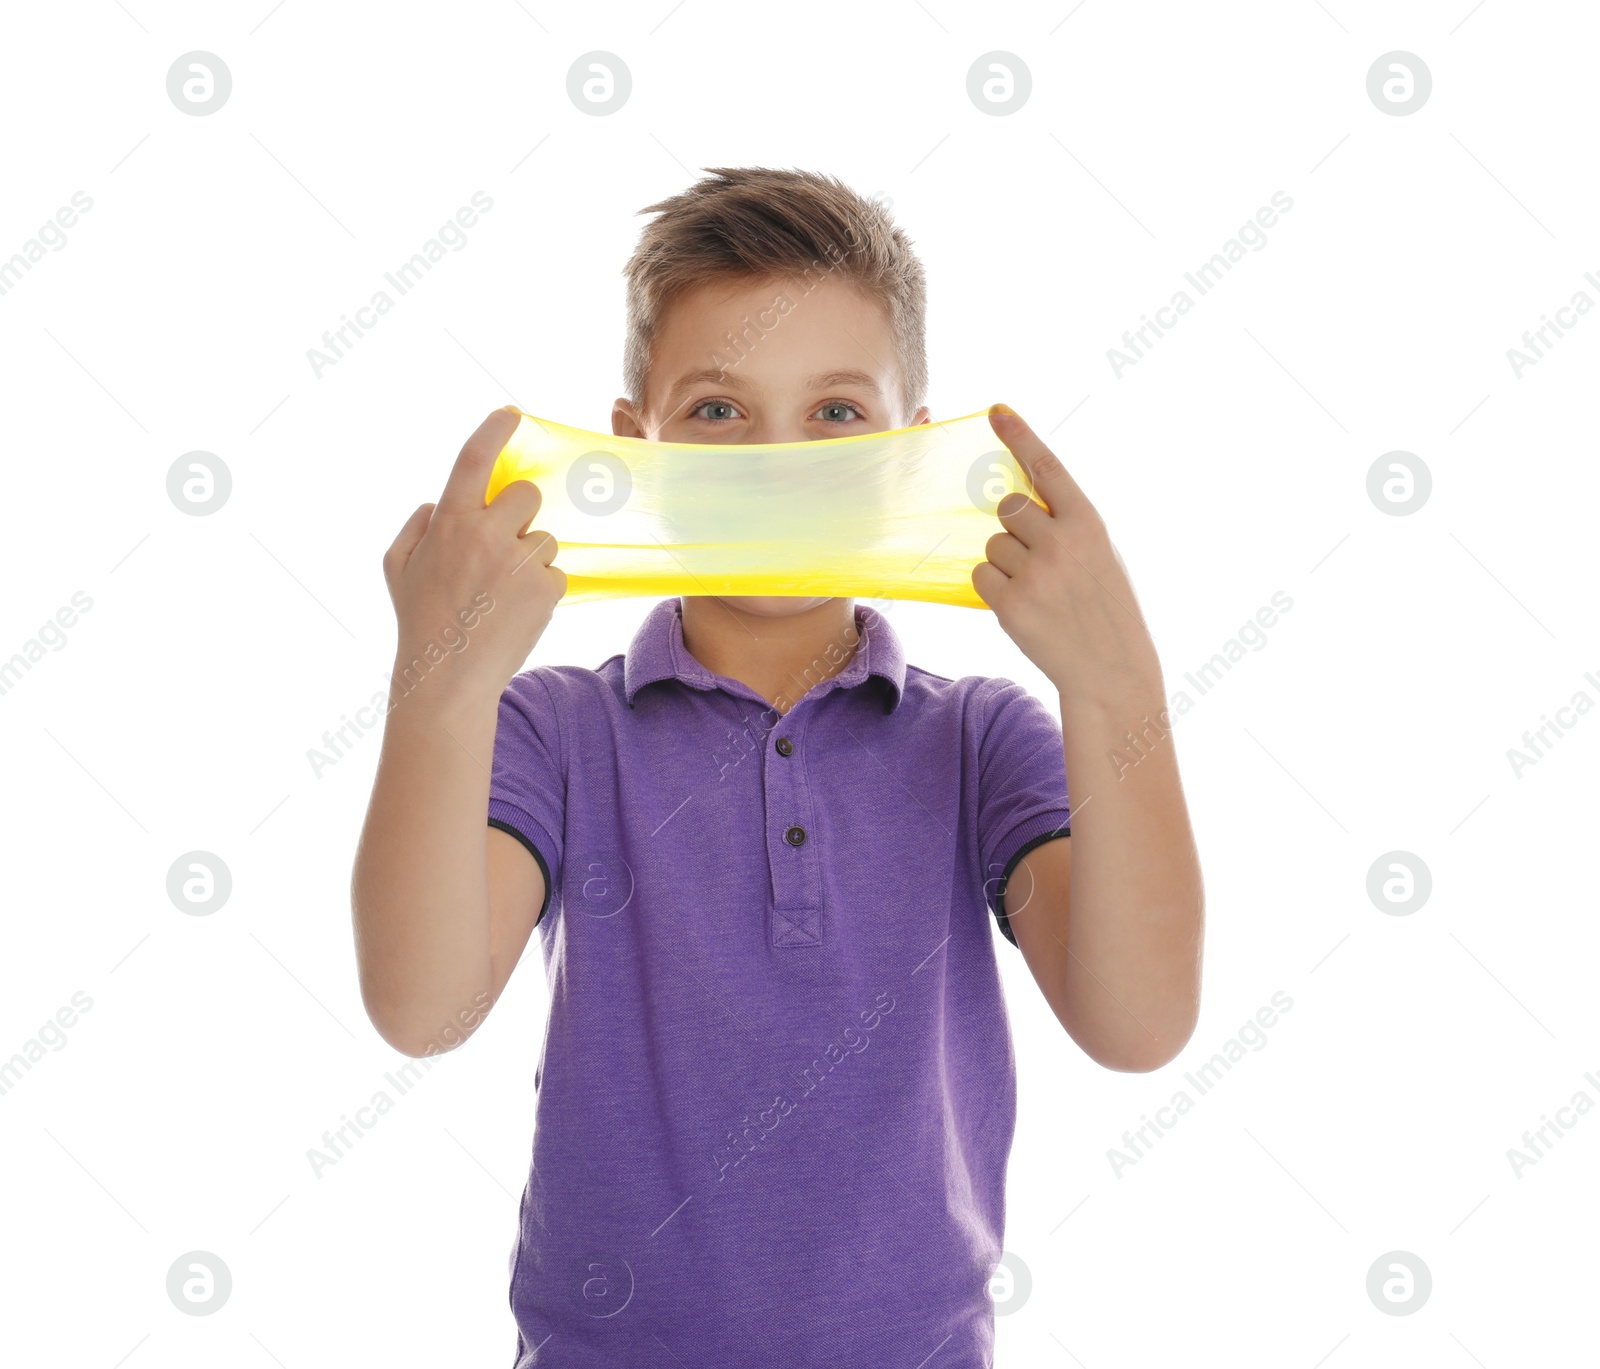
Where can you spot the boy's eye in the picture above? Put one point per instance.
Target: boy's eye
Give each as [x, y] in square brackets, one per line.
[837, 411]
[722, 410]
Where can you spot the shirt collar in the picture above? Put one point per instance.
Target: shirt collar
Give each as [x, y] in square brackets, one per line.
[657, 652]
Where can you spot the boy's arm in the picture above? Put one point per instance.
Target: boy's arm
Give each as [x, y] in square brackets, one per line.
[441, 916]
[1122, 972]
[1125, 980]
[516, 893]
[441, 911]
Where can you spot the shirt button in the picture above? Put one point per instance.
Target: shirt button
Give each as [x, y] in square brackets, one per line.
[785, 746]
[795, 836]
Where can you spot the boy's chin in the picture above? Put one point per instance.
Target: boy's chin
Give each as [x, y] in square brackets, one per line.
[772, 605]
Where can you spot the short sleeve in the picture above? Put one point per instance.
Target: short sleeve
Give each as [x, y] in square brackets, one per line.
[527, 788]
[1022, 788]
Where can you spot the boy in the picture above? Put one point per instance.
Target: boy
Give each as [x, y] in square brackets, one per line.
[776, 1092]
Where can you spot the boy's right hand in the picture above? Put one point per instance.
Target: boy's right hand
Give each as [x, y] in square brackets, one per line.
[473, 585]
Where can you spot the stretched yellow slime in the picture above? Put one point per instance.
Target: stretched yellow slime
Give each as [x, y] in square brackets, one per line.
[903, 514]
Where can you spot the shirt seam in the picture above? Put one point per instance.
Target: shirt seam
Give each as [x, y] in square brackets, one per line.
[999, 685]
[561, 736]
[529, 844]
[1002, 917]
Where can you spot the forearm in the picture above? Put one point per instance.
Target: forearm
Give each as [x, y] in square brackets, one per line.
[1135, 905]
[419, 889]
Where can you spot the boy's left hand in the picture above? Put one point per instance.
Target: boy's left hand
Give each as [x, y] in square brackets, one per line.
[1058, 586]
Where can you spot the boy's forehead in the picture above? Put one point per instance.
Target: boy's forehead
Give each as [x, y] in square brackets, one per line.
[794, 329]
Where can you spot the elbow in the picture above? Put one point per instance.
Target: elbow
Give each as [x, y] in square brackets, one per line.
[417, 1033]
[398, 1028]
[1146, 1056]
[1130, 1062]
[411, 1042]
[408, 1043]
[1140, 1062]
[1147, 1062]
[397, 1034]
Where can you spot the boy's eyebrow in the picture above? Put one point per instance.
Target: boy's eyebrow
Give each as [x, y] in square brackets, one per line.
[860, 378]
[729, 378]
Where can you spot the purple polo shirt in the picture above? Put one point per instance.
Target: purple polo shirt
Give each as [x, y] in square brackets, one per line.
[776, 1096]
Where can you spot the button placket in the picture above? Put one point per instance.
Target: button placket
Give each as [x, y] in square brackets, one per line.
[791, 844]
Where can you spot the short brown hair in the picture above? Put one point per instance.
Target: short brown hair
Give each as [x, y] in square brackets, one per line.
[748, 223]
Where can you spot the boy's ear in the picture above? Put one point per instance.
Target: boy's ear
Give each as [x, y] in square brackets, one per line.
[923, 415]
[624, 420]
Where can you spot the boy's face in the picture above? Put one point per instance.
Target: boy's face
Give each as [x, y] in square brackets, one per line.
[808, 367]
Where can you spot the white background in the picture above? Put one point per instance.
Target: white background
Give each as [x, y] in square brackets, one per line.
[1229, 463]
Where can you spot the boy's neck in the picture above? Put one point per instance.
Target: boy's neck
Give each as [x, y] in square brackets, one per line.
[781, 658]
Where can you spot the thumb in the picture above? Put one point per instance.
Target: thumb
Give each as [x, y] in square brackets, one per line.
[405, 542]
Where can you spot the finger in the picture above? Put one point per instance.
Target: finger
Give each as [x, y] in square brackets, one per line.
[516, 506]
[1051, 480]
[1024, 519]
[991, 584]
[538, 548]
[469, 477]
[1006, 554]
[406, 539]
